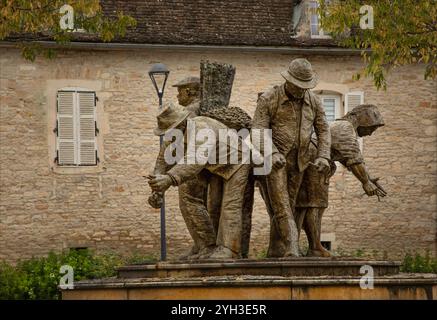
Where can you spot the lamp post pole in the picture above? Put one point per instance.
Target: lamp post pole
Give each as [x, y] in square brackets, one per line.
[163, 232]
[160, 72]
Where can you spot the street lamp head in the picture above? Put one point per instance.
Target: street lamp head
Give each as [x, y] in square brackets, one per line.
[158, 68]
[159, 74]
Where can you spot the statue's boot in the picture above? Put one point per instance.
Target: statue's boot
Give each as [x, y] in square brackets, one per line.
[319, 252]
[292, 253]
[221, 252]
[190, 254]
[204, 253]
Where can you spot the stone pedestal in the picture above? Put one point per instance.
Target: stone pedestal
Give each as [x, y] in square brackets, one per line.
[296, 267]
[295, 279]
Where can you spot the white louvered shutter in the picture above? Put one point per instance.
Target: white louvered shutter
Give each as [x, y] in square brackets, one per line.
[86, 128]
[353, 99]
[66, 144]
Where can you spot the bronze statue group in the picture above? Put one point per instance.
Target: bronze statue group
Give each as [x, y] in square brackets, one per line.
[216, 199]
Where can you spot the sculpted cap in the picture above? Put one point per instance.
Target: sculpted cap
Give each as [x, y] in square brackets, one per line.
[189, 81]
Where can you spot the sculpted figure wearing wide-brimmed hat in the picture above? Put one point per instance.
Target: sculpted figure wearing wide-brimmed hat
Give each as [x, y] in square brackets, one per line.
[301, 74]
[191, 193]
[291, 111]
[227, 242]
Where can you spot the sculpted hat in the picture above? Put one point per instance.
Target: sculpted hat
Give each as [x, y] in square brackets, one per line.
[188, 81]
[301, 74]
[169, 118]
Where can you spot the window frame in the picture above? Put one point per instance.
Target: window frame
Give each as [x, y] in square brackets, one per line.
[313, 5]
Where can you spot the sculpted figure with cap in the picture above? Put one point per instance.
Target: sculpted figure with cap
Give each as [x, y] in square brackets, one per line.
[200, 198]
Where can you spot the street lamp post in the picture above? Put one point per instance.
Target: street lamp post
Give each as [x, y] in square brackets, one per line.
[159, 74]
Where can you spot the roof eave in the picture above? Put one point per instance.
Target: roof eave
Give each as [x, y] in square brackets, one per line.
[310, 50]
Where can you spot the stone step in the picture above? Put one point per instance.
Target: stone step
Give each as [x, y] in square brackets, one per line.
[266, 267]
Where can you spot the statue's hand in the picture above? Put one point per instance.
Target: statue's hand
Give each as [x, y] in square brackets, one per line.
[373, 190]
[160, 183]
[155, 200]
[278, 160]
[369, 188]
[322, 165]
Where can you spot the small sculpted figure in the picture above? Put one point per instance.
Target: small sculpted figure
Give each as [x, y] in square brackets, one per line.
[312, 201]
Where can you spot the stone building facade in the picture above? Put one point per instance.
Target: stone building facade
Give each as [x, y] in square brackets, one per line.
[48, 207]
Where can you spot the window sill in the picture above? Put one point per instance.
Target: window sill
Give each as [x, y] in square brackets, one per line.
[78, 170]
[320, 37]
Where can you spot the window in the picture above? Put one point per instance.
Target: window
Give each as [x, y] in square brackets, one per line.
[326, 245]
[316, 30]
[76, 128]
[328, 241]
[331, 104]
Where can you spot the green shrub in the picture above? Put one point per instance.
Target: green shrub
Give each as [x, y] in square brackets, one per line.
[359, 253]
[137, 258]
[419, 264]
[261, 254]
[13, 282]
[38, 278]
